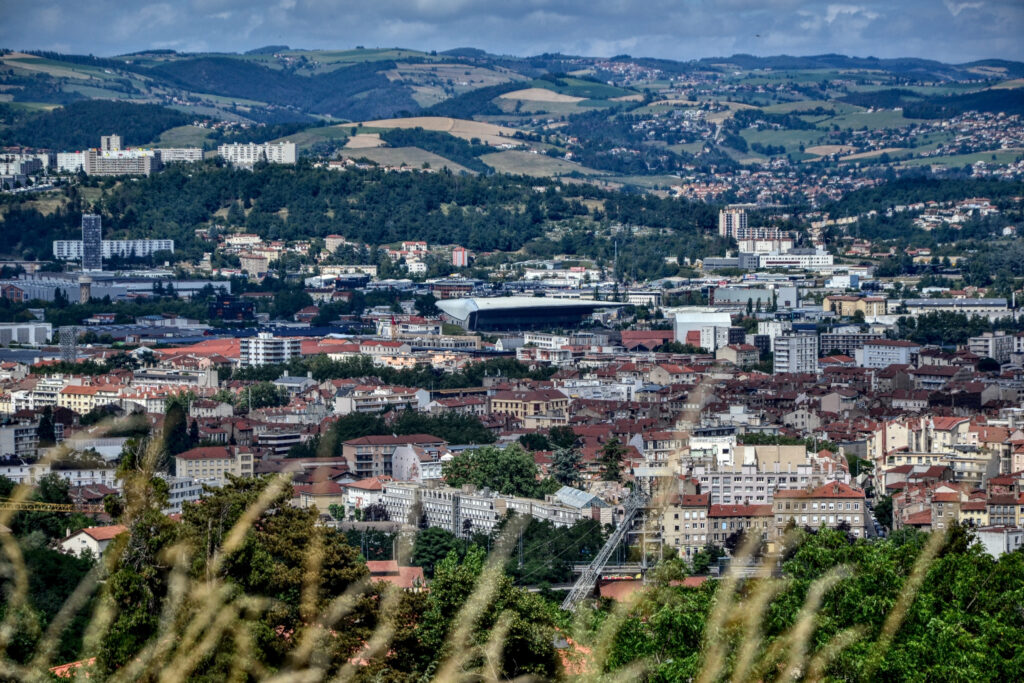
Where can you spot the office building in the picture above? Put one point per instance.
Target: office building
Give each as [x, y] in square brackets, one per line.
[251, 153]
[796, 353]
[92, 242]
[266, 349]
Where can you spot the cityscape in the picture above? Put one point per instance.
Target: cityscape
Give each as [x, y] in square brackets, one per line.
[403, 364]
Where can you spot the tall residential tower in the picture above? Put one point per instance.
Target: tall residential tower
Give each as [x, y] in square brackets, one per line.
[92, 242]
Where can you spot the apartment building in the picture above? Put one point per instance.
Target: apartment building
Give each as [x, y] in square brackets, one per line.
[831, 505]
[72, 250]
[372, 456]
[846, 343]
[212, 464]
[997, 346]
[881, 353]
[684, 523]
[796, 353]
[21, 440]
[523, 404]
[266, 349]
[247, 154]
[726, 520]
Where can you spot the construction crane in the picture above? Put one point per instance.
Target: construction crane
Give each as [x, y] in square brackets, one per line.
[588, 579]
[36, 506]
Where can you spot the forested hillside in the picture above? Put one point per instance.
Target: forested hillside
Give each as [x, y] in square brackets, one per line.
[333, 93]
[79, 125]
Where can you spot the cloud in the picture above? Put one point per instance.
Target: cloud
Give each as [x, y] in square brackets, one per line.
[677, 29]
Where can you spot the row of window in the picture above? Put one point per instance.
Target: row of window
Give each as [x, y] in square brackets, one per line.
[814, 506]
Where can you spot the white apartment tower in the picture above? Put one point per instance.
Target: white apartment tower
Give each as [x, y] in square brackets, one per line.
[796, 353]
[266, 349]
[732, 222]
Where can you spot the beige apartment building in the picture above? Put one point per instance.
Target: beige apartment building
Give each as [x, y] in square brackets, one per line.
[212, 464]
[525, 404]
[828, 505]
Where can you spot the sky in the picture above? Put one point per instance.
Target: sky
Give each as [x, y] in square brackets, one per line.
[947, 30]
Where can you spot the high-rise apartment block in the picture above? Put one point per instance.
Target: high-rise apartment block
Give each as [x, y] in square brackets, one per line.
[266, 349]
[796, 353]
[732, 222]
[252, 152]
[92, 242]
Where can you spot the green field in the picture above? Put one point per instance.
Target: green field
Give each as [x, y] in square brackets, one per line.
[305, 139]
[790, 139]
[578, 87]
[806, 105]
[183, 136]
[1004, 156]
[886, 118]
[537, 165]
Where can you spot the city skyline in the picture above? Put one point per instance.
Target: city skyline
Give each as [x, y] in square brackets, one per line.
[948, 31]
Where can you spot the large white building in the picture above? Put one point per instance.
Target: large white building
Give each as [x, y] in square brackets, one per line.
[881, 353]
[796, 353]
[266, 349]
[695, 318]
[35, 334]
[71, 250]
[252, 152]
[804, 259]
[181, 154]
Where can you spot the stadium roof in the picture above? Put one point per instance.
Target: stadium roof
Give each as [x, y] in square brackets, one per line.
[461, 308]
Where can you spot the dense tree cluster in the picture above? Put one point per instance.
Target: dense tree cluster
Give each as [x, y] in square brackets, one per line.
[78, 125]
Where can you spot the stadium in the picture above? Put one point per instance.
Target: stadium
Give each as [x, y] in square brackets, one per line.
[519, 312]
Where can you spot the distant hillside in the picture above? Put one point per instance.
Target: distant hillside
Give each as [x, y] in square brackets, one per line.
[905, 66]
[360, 91]
[79, 125]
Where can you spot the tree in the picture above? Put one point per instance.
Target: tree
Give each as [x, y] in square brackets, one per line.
[193, 433]
[562, 437]
[510, 470]
[375, 513]
[337, 511]
[610, 459]
[565, 465]
[46, 432]
[431, 546]
[176, 438]
[883, 511]
[534, 441]
[262, 395]
[705, 557]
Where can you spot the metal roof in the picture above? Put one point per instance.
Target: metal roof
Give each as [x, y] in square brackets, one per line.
[462, 308]
[578, 499]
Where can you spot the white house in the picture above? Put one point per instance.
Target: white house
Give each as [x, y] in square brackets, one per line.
[95, 539]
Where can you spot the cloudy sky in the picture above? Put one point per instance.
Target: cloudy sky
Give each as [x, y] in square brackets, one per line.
[948, 30]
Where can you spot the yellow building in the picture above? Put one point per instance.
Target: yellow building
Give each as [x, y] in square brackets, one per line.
[523, 404]
[213, 463]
